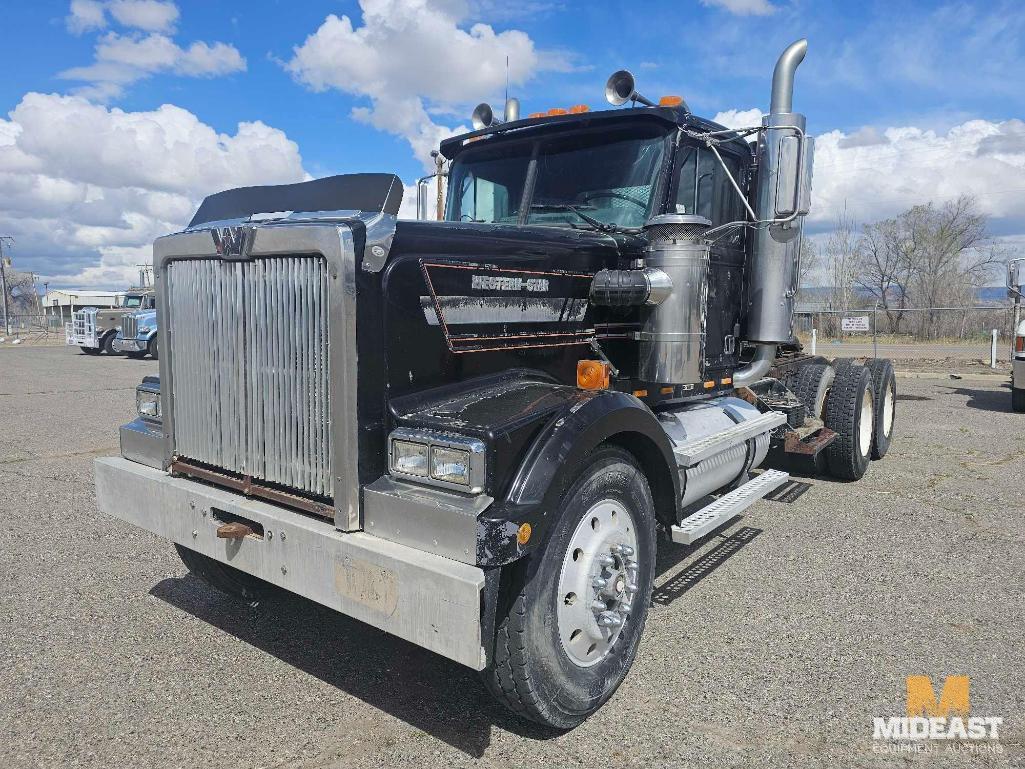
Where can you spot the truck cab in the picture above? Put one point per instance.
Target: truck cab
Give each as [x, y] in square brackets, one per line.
[470, 432]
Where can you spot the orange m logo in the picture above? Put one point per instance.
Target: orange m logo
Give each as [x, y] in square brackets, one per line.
[922, 698]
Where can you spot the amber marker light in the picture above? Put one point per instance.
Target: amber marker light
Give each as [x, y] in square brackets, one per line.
[592, 375]
[523, 533]
[556, 111]
[576, 109]
[670, 101]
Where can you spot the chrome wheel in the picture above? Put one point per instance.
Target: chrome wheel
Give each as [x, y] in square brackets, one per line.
[865, 425]
[597, 583]
[888, 411]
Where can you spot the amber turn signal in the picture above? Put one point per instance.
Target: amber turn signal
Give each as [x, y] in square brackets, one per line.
[592, 375]
[523, 533]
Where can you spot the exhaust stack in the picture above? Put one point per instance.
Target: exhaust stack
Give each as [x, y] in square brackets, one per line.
[784, 158]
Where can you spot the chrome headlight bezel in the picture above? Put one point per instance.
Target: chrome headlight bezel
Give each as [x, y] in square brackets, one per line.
[473, 448]
[144, 329]
[148, 397]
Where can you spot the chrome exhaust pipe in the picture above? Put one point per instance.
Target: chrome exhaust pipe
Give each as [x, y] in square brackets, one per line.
[783, 77]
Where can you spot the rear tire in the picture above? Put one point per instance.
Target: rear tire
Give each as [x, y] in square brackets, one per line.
[555, 662]
[850, 413]
[225, 578]
[884, 395]
[811, 387]
[1018, 399]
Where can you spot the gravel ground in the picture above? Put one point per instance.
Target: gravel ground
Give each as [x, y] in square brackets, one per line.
[773, 643]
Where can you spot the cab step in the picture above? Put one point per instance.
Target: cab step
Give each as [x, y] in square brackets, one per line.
[728, 506]
[690, 453]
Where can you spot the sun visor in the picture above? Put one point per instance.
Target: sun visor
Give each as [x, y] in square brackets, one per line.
[346, 192]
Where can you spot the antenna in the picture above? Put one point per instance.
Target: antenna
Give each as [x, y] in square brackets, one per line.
[507, 78]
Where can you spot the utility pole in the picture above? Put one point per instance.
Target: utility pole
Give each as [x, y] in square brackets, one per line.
[3, 280]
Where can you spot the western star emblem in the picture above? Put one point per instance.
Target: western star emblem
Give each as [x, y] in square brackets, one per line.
[229, 241]
[503, 283]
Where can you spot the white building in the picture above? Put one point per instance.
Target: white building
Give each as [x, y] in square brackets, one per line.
[61, 302]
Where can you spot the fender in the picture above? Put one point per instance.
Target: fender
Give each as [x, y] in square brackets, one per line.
[562, 447]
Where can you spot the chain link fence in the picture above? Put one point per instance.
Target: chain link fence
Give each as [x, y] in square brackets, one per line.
[964, 335]
[32, 328]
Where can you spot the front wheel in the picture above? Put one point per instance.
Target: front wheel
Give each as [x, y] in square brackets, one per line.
[1018, 399]
[153, 349]
[574, 621]
[90, 350]
[107, 344]
[225, 578]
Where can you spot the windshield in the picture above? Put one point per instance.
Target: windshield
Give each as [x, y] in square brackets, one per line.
[132, 302]
[585, 180]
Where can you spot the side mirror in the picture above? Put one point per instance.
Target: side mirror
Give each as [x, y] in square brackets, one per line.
[1014, 275]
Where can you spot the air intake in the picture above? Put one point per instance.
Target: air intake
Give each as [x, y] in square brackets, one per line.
[676, 228]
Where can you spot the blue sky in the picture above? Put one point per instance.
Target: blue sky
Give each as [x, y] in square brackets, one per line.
[912, 101]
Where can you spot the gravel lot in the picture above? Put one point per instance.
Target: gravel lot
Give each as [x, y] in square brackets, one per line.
[773, 643]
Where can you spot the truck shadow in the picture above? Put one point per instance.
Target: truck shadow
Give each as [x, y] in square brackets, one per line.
[727, 544]
[986, 400]
[412, 684]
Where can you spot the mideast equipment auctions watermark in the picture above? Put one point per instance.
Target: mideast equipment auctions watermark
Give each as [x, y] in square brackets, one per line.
[934, 726]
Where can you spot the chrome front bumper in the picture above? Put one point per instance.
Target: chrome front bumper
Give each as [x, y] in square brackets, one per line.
[424, 598]
[129, 345]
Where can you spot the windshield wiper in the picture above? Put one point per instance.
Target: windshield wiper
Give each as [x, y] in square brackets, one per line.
[596, 223]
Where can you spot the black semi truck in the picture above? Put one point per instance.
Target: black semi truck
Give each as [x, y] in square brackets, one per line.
[470, 432]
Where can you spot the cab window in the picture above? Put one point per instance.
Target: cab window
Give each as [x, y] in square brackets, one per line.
[703, 188]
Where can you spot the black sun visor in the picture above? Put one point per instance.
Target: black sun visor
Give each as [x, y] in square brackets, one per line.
[346, 192]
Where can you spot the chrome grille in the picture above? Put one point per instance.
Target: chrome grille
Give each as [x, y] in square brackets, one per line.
[128, 325]
[249, 368]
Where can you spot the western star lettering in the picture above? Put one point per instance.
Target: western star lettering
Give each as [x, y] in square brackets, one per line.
[506, 283]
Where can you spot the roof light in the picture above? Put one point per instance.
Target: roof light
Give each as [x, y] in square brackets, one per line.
[556, 111]
[576, 109]
[536, 114]
[670, 101]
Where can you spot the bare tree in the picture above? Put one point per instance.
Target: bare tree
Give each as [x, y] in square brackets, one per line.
[885, 271]
[808, 264]
[842, 257]
[950, 256]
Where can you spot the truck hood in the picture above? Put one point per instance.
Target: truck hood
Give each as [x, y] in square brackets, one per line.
[476, 241]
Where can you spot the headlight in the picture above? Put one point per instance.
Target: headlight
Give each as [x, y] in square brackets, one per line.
[145, 329]
[450, 465]
[450, 461]
[147, 403]
[409, 458]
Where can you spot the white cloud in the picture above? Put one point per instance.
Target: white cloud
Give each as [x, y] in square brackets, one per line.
[737, 118]
[149, 15]
[87, 189]
[412, 57]
[743, 7]
[878, 173]
[123, 58]
[85, 15]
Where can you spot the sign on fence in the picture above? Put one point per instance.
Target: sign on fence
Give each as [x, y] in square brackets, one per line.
[855, 323]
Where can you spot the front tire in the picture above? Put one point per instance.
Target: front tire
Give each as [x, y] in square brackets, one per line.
[107, 344]
[90, 350]
[153, 349]
[850, 413]
[225, 578]
[578, 606]
[1018, 399]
